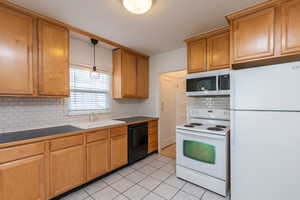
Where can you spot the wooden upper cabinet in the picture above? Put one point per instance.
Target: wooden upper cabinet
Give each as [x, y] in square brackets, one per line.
[290, 27]
[129, 80]
[253, 35]
[218, 51]
[197, 56]
[16, 52]
[130, 75]
[53, 71]
[209, 51]
[142, 77]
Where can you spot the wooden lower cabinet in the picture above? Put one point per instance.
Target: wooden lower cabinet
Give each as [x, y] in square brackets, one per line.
[97, 158]
[119, 151]
[152, 136]
[23, 179]
[67, 169]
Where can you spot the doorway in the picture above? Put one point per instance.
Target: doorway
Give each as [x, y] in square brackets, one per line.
[173, 103]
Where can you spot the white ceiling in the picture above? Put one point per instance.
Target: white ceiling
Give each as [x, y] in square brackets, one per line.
[162, 29]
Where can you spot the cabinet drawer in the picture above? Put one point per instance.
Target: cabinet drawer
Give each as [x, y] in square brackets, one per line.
[152, 124]
[118, 131]
[18, 152]
[152, 139]
[152, 131]
[65, 142]
[99, 135]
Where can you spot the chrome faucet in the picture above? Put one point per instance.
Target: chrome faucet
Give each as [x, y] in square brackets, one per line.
[92, 117]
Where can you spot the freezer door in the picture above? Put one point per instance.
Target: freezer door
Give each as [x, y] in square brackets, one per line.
[265, 161]
[275, 87]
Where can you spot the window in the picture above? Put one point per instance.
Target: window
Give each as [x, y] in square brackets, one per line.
[89, 95]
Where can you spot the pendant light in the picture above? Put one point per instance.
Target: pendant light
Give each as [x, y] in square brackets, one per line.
[137, 6]
[93, 73]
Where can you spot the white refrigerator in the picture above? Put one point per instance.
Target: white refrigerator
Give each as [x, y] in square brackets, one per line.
[265, 133]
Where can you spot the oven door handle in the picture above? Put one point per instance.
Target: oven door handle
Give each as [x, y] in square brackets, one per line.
[205, 135]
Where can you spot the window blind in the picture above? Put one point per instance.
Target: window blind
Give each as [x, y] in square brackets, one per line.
[89, 94]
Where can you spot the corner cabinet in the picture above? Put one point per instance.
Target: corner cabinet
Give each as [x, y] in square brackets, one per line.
[130, 75]
[209, 51]
[16, 55]
[53, 70]
[34, 55]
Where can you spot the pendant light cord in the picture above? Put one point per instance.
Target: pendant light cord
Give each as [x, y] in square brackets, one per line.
[94, 42]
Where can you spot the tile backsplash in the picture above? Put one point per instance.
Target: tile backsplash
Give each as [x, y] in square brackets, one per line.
[218, 102]
[29, 113]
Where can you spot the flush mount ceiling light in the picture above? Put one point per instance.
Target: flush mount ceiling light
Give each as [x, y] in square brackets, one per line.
[137, 6]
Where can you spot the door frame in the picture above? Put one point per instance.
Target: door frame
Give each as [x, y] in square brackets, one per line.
[158, 101]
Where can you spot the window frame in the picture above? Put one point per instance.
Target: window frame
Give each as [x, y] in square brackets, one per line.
[87, 112]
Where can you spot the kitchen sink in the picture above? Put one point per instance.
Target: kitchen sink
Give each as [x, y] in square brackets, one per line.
[98, 124]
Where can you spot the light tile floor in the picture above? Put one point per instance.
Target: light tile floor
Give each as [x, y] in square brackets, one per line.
[152, 178]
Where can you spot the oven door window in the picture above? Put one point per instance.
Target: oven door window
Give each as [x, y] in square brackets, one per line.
[224, 82]
[202, 84]
[199, 151]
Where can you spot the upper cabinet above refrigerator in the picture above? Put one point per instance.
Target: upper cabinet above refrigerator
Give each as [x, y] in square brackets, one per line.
[265, 34]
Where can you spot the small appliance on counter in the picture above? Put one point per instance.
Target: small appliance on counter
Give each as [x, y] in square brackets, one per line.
[202, 155]
[213, 83]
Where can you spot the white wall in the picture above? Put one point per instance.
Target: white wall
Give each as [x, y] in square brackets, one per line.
[166, 62]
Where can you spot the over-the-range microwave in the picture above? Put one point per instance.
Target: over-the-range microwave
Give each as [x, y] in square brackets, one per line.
[212, 83]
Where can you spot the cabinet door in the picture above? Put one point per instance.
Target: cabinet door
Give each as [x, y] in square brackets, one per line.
[290, 27]
[16, 56]
[53, 60]
[119, 151]
[97, 158]
[218, 51]
[253, 36]
[128, 75]
[66, 169]
[23, 179]
[142, 77]
[197, 56]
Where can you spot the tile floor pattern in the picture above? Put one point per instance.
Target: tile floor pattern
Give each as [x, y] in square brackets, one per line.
[152, 178]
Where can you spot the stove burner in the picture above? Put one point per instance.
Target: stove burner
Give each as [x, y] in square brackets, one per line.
[196, 124]
[214, 129]
[220, 126]
[189, 125]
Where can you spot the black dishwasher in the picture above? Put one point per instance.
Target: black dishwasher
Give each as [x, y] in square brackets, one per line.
[137, 141]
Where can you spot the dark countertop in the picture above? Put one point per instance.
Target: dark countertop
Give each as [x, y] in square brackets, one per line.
[36, 133]
[136, 118]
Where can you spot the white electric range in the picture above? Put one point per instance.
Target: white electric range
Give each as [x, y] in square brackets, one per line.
[202, 145]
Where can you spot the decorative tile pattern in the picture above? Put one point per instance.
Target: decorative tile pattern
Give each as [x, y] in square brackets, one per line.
[17, 114]
[134, 184]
